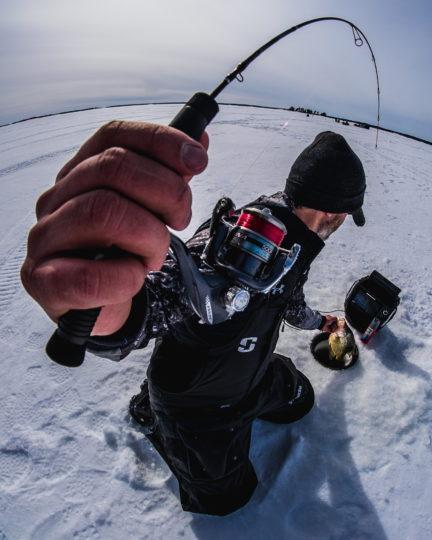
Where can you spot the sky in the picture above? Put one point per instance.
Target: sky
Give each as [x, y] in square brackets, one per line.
[57, 55]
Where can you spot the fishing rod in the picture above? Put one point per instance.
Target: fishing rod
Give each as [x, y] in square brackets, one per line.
[67, 345]
[237, 73]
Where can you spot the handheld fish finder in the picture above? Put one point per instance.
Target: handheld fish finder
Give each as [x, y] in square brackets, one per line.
[371, 303]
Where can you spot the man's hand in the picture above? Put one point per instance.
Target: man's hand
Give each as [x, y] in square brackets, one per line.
[125, 185]
[331, 324]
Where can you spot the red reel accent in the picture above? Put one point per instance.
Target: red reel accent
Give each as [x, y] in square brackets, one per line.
[262, 227]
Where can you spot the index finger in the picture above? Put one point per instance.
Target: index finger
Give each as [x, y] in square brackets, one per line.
[167, 145]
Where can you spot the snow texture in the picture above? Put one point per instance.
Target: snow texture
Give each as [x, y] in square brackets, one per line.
[357, 467]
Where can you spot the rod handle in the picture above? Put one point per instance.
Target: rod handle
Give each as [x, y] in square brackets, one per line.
[67, 345]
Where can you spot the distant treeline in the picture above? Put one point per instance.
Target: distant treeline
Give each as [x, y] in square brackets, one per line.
[308, 112]
[343, 121]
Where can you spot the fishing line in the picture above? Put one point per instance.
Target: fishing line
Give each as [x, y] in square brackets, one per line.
[258, 156]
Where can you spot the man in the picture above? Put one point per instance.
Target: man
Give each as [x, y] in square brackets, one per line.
[206, 384]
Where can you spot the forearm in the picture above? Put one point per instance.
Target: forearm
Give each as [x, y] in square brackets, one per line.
[305, 318]
[299, 314]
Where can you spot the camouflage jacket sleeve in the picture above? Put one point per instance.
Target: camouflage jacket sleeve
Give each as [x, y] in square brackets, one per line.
[298, 313]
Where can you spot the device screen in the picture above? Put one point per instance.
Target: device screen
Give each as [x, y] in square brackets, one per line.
[366, 303]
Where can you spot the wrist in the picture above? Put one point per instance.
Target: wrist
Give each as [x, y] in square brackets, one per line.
[322, 323]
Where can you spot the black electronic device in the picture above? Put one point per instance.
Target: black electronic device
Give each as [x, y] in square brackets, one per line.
[371, 303]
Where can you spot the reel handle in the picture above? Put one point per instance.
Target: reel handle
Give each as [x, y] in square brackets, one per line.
[67, 345]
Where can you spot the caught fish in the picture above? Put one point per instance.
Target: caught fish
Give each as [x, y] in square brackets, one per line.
[341, 342]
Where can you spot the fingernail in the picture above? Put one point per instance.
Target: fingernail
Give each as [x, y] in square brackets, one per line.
[194, 157]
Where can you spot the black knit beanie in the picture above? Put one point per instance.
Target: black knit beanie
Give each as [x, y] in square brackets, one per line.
[328, 176]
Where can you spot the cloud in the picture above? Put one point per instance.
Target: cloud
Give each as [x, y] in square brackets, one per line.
[111, 49]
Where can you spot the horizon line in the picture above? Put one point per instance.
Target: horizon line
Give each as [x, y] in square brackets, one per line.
[363, 124]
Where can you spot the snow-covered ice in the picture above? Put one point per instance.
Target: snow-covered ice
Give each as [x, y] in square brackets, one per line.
[357, 467]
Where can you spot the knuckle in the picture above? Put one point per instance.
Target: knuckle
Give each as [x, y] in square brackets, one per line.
[35, 236]
[87, 284]
[40, 285]
[131, 278]
[82, 288]
[179, 205]
[104, 211]
[42, 203]
[158, 251]
[180, 193]
[156, 132]
[109, 129]
[111, 163]
[26, 273]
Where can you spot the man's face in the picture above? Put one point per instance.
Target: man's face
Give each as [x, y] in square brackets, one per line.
[330, 224]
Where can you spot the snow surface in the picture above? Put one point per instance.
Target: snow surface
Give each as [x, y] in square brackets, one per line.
[357, 467]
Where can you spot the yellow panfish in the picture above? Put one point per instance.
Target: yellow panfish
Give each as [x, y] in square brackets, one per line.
[342, 342]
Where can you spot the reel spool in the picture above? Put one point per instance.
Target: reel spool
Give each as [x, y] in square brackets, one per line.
[241, 258]
[253, 243]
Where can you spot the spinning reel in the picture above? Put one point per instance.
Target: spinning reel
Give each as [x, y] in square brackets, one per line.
[239, 259]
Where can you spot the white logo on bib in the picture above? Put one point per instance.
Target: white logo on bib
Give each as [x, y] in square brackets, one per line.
[247, 344]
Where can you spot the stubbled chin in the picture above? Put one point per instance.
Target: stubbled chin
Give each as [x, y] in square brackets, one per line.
[326, 229]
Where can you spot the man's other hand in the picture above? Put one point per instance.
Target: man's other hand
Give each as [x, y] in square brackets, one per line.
[331, 324]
